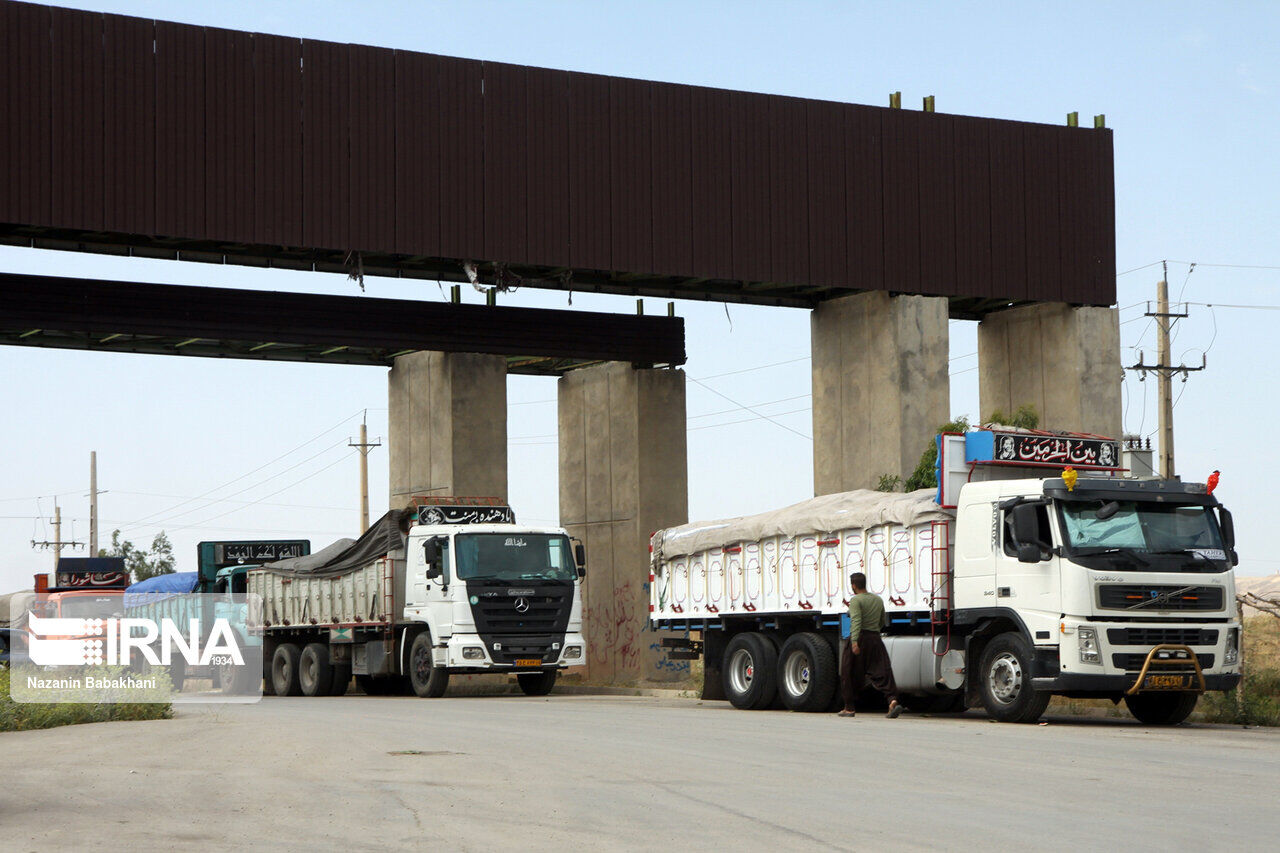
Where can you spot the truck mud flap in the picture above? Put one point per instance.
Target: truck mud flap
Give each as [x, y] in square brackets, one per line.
[1185, 675]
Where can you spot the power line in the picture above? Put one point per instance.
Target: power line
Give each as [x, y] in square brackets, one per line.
[250, 473]
[343, 459]
[751, 410]
[150, 521]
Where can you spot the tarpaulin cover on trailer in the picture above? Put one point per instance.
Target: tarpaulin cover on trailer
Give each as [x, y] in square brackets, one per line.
[825, 514]
[159, 588]
[19, 603]
[386, 535]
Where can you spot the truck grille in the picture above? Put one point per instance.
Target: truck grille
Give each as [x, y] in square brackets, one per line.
[545, 610]
[1160, 636]
[526, 648]
[1133, 662]
[1126, 595]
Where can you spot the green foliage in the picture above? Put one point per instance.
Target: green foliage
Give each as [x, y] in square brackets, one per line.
[142, 564]
[22, 716]
[889, 483]
[924, 476]
[1260, 705]
[1025, 417]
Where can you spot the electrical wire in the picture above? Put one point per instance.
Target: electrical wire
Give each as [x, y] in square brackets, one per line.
[751, 410]
[153, 515]
[264, 497]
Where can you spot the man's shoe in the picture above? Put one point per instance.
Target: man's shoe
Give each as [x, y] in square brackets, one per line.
[894, 710]
[845, 713]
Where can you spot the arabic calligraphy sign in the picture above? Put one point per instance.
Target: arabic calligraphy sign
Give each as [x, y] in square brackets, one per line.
[444, 514]
[256, 553]
[1056, 450]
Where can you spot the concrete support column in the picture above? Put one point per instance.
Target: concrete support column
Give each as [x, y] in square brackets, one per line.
[623, 475]
[1064, 361]
[448, 425]
[880, 386]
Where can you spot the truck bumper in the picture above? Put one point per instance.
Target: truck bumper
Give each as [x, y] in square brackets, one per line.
[468, 651]
[1079, 683]
[1122, 649]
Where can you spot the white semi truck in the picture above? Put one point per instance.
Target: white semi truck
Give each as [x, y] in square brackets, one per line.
[1035, 570]
[449, 585]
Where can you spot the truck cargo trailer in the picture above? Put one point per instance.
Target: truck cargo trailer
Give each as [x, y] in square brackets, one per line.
[1017, 580]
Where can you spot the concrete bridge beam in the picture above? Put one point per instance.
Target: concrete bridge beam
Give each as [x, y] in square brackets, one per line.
[1064, 361]
[623, 475]
[880, 386]
[448, 425]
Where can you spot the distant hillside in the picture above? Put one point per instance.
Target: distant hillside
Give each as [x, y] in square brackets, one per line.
[1267, 586]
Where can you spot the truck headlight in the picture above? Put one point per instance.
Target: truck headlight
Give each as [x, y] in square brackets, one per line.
[1233, 646]
[572, 652]
[1088, 640]
[473, 653]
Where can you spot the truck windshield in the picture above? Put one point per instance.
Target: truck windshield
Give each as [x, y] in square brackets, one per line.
[1151, 528]
[514, 556]
[80, 606]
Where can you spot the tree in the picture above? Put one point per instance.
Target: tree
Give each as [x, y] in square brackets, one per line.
[1025, 417]
[142, 564]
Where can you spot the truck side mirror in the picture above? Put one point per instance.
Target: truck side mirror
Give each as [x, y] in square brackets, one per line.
[1228, 526]
[431, 554]
[1026, 533]
[1028, 553]
[580, 556]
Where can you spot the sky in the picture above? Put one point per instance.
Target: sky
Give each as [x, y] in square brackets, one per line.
[208, 449]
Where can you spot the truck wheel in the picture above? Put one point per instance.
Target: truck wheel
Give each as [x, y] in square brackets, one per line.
[428, 680]
[1006, 681]
[1162, 709]
[315, 675]
[284, 670]
[234, 680]
[750, 671]
[341, 679]
[537, 683]
[807, 673]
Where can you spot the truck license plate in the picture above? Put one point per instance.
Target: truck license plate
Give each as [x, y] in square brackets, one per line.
[528, 662]
[1167, 682]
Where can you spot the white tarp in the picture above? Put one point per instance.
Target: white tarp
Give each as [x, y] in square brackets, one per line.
[17, 604]
[824, 514]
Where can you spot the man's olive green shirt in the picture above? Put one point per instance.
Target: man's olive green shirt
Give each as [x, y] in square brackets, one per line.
[866, 613]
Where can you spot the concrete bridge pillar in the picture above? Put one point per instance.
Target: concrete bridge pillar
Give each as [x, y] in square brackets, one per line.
[880, 386]
[623, 475]
[1064, 361]
[448, 425]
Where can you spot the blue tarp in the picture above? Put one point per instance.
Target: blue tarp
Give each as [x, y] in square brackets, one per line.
[159, 588]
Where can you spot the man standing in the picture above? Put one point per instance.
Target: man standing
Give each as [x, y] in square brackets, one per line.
[865, 658]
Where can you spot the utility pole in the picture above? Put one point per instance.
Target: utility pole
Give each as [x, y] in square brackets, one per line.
[1165, 370]
[364, 446]
[93, 503]
[57, 544]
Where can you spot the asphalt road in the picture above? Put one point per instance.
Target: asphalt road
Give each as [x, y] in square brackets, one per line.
[579, 772]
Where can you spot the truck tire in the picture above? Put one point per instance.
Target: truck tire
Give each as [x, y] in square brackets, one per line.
[428, 680]
[750, 671]
[315, 675]
[1161, 709]
[234, 680]
[537, 683]
[284, 670]
[1005, 684]
[341, 679]
[807, 672]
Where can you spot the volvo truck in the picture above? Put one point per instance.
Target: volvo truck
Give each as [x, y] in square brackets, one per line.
[1036, 569]
[447, 586]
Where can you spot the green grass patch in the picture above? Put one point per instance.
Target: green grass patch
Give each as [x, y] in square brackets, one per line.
[21, 716]
[1257, 701]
